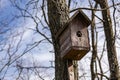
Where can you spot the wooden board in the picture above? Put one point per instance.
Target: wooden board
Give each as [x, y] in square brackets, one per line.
[82, 41]
[64, 36]
[75, 53]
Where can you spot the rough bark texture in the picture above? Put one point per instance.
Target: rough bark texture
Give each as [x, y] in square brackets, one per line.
[58, 15]
[111, 49]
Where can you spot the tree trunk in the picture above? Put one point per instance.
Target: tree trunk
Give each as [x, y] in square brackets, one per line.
[94, 48]
[111, 49]
[58, 14]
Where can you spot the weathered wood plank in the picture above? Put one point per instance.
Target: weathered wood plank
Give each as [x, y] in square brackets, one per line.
[64, 36]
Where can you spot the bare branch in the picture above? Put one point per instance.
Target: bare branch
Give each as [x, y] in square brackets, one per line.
[95, 9]
[43, 5]
[103, 76]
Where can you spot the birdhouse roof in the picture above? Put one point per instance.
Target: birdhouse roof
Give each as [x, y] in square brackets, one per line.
[78, 14]
[83, 17]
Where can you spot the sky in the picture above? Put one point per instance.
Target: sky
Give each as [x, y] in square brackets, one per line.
[19, 30]
[19, 27]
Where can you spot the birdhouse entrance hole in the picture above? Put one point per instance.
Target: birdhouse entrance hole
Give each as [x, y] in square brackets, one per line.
[79, 34]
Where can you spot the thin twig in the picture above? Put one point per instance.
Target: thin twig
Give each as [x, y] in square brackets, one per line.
[94, 9]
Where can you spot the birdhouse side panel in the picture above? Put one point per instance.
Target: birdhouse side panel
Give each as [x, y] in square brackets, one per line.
[65, 34]
[65, 45]
[65, 42]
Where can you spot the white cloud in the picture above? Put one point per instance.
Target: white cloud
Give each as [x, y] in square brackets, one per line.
[41, 57]
[4, 3]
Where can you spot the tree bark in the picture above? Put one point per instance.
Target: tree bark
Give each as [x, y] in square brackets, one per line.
[58, 14]
[111, 49]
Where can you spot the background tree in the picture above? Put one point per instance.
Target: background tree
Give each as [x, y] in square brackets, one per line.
[111, 48]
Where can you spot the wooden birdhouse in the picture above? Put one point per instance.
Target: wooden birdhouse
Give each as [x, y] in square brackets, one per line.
[73, 37]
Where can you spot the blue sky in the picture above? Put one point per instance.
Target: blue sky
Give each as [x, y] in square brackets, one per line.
[22, 27]
[18, 27]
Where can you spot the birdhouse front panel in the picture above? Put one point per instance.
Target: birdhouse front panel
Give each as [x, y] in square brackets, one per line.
[80, 39]
[79, 34]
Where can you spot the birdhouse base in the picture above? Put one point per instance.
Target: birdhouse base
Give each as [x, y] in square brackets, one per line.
[75, 53]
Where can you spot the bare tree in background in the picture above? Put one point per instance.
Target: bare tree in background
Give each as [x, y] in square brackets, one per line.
[111, 48]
